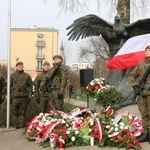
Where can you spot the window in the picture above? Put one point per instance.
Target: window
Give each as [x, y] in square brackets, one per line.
[40, 37]
[39, 65]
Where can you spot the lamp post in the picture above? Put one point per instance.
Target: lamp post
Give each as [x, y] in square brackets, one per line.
[8, 63]
[17, 59]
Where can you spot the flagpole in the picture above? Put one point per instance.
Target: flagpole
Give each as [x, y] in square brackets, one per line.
[8, 63]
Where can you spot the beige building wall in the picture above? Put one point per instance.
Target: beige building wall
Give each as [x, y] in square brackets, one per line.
[33, 46]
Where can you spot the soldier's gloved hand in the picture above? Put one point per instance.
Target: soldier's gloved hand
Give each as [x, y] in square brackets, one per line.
[60, 96]
[136, 89]
[38, 100]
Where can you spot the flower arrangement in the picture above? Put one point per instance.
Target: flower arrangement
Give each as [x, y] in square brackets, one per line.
[95, 85]
[103, 93]
[80, 125]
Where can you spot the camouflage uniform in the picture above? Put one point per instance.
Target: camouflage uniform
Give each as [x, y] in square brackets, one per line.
[2, 88]
[21, 91]
[42, 98]
[56, 94]
[144, 99]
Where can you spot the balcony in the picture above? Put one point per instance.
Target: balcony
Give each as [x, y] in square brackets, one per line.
[40, 56]
[40, 43]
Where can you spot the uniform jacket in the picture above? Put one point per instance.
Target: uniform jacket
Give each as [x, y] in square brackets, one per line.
[2, 85]
[38, 83]
[21, 84]
[60, 79]
[138, 72]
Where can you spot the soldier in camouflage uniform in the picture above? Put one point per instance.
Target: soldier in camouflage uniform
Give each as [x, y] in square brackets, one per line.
[21, 91]
[57, 89]
[2, 88]
[143, 99]
[42, 98]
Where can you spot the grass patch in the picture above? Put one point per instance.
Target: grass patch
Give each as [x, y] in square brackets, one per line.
[82, 97]
[68, 107]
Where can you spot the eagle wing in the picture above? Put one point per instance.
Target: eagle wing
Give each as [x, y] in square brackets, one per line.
[90, 25]
[139, 27]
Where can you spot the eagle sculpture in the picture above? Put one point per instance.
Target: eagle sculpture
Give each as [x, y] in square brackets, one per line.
[114, 34]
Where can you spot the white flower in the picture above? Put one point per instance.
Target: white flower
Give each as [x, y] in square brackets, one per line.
[116, 129]
[90, 129]
[96, 79]
[76, 132]
[63, 121]
[116, 125]
[91, 122]
[108, 126]
[73, 139]
[67, 132]
[111, 128]
[126, 127]
[121, 127]
[121, 123]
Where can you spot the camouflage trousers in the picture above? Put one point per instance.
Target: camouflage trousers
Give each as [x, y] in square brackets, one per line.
[44, 104]
[144, 108]
[18, 110]
[54, 101]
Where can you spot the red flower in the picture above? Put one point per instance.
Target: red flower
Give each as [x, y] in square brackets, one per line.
[125, 138]
[129, 145]
[119, 140]
[120, 133]
[114, 137]
[29, 133]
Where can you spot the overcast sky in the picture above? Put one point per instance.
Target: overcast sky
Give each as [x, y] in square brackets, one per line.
[28, 13]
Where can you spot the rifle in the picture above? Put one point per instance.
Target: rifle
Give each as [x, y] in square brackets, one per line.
[47, 86]
[141, 85]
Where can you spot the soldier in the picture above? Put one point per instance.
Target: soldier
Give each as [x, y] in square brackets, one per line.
[144, 98]
[57, 89]
[42, 97]
[21, 92]
[2, 88]
[70, 89]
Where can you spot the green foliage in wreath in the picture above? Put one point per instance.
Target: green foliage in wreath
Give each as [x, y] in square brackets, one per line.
[108, 96]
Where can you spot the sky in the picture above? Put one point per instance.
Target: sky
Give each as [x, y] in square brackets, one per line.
[28, 13]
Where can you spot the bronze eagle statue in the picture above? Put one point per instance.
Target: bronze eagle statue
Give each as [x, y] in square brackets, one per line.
[115, 34]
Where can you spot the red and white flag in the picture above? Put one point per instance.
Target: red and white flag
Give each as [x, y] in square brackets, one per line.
[130, 54]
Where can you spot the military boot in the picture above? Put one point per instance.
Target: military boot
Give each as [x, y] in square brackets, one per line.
[144, 136]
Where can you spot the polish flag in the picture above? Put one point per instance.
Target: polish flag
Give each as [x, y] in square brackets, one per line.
[130, 54]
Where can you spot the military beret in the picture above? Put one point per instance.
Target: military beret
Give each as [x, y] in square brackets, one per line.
[57, 56]
[19, 63]
[46, 63]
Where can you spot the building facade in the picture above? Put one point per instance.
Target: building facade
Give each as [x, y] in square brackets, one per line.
[33, 46]
[76, 67]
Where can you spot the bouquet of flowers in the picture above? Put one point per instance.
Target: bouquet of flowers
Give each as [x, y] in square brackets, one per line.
[96, 85]
[103, 93]
[115, 132]
[80, 125]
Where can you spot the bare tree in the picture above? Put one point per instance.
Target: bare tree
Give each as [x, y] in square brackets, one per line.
[96, 52]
